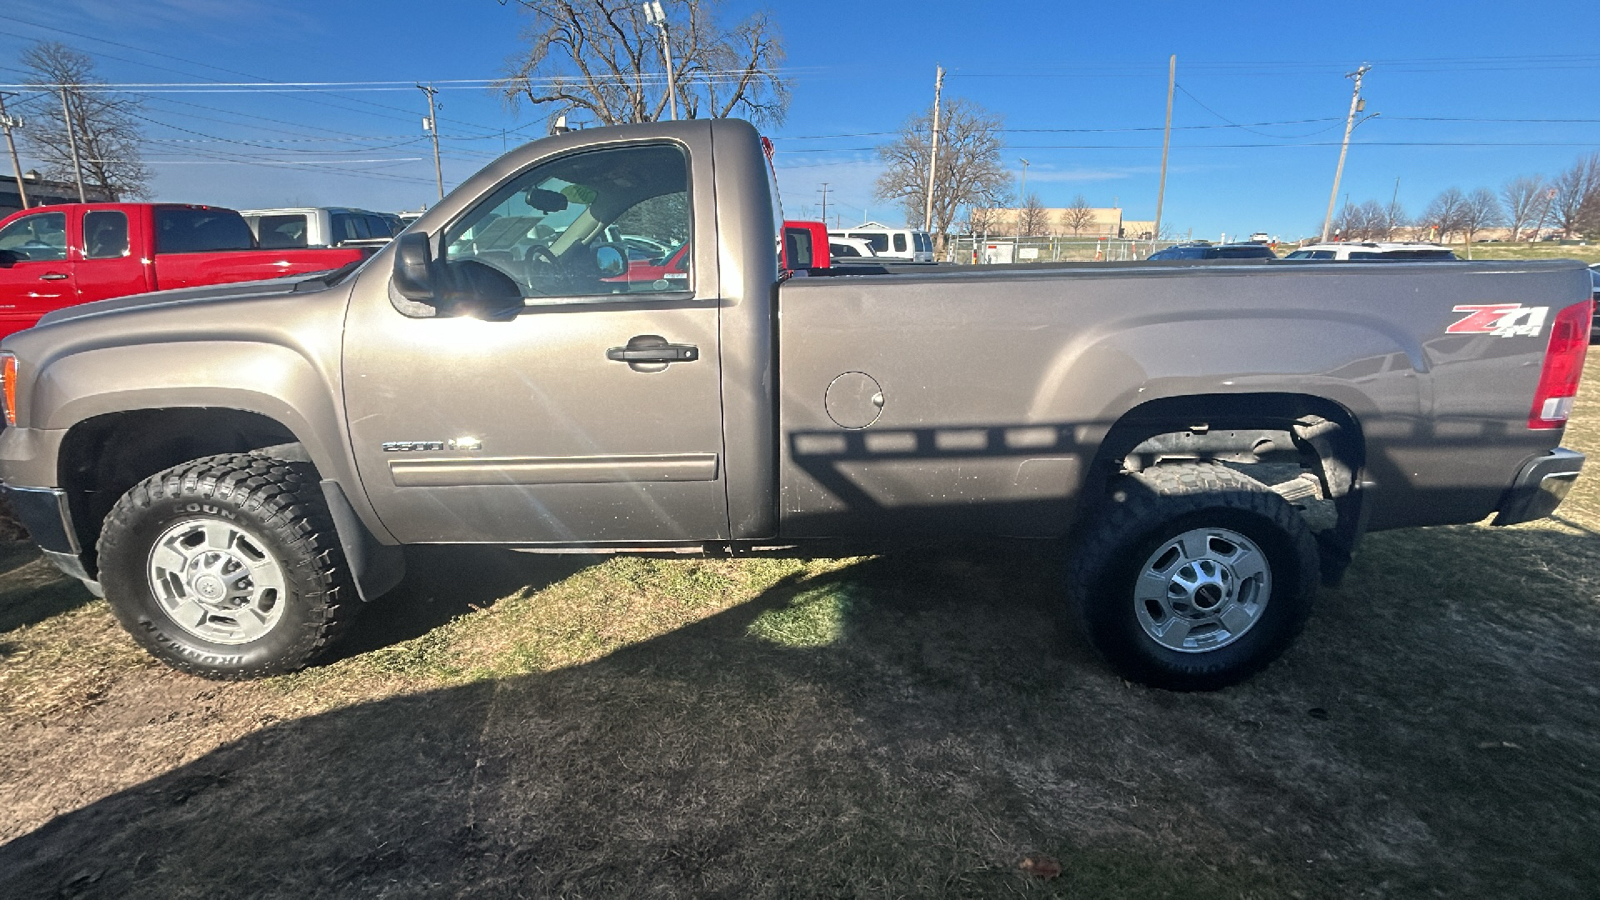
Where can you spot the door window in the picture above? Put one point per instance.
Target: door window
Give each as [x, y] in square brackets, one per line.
[42, 236]
[105, 234]
[564, 228]
[899, 242]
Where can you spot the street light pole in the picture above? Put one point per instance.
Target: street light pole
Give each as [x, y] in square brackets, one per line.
[933, 158]
[655, 16]
[1356, 105]
[1023, 200]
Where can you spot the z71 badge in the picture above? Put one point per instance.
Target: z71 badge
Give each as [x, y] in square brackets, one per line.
[1500, 320]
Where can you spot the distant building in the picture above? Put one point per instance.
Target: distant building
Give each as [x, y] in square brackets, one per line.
[43, 192]
[1104, 222]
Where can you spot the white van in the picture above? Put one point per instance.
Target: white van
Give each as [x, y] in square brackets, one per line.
[895, 243]
[320, 226]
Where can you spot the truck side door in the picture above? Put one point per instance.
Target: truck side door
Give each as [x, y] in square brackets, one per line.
[587, 408]
[35, 273]
[107, 264]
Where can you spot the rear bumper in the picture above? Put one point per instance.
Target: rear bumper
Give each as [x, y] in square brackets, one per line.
[44, 512]
[1540, 487]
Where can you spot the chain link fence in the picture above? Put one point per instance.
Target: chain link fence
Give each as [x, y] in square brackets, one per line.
[977, 249]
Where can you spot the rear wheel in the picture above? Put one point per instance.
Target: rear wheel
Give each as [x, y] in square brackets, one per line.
[227, 566]
[1194, 578]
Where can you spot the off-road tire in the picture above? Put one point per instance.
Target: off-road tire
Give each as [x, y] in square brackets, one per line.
[279, 505]
[1152, 508]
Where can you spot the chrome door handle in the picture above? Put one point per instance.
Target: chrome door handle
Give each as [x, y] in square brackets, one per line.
[53, 276]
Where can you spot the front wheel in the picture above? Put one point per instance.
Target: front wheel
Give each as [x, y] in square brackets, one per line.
[227, 566]
[1195, 578]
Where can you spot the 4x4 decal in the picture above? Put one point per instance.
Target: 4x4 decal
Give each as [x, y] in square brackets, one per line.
[1500, 319]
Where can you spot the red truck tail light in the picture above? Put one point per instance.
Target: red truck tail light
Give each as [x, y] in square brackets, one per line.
[8, 386]
[1563, 366]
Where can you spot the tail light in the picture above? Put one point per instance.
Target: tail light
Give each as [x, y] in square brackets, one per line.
[1563, 366]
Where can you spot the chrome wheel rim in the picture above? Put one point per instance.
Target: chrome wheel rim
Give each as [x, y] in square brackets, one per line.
[217, 580]
[1202, 590]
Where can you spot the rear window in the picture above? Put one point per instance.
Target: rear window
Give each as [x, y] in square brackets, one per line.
[878, 242]
[1404, 255]
[200, 230]
[1254, 252]
[282, 232]
[924, 241]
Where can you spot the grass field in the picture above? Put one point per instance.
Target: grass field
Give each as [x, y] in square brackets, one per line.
[902, 726]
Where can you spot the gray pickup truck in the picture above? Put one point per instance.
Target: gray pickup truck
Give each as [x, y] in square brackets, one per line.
[236, 468]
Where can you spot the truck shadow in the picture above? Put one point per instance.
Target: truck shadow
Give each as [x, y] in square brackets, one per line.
[1428, 734]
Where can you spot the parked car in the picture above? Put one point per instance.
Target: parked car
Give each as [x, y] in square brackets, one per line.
[320, 226]
[1385, 251]
[1594, 326]
[1205, 250]
[848, 249]
[897, 244]
[55, 256]
[237, 468]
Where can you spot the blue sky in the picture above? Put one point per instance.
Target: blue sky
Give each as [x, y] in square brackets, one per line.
[1469, 94]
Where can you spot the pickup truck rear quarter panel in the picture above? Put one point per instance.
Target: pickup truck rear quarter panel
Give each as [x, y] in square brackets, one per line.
[995, 398]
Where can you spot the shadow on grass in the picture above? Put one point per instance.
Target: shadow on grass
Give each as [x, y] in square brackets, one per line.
[918, 731]
[442, 583]
[31, 590]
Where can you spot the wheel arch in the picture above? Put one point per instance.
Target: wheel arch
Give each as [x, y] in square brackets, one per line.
[103, 456]
[1322, 435]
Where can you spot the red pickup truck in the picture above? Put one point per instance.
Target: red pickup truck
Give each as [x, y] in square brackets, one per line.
[55, 256]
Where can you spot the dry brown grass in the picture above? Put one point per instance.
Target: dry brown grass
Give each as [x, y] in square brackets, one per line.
[909, 726]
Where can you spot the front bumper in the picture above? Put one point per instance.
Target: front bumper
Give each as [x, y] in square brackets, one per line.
[1540, 487]
[44, 512]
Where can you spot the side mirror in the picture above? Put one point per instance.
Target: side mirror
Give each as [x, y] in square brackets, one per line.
[611, 260]
[413, 268]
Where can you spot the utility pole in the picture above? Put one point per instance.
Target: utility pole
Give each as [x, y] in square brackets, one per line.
[432, 125]
[654, 15]
[1166, 142]
[825, 202]
[8, 123]
[1356, 105]
[933, 159]
[72, 141]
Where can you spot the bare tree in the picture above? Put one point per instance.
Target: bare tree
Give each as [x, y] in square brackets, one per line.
[1034, 218]
[601, 57]
[1078, 216]
[1480, 211]
[103, 124]
[1445, 213]
[1395, 221]
[982, 220]
[1577, 194]
[1523, 197]
[969, 172]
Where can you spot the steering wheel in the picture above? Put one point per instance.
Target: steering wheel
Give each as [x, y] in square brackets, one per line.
[542, 269]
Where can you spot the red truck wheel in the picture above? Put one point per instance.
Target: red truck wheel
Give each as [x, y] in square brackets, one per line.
[227, 567]
[1195, 578]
